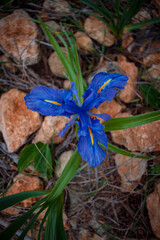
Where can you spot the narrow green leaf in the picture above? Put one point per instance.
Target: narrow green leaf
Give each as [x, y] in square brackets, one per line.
[27, 156]
[66, 175]
[8, 233]
[123, 152]
[134, 26]
[11, 200]
[130, 122]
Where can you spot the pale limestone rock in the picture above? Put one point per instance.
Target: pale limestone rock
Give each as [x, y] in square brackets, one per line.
[18, 37]
[56, 65]
[109, 67]
[51, 126]
[96, 29]
[153, 206]
[130, 171]
[67, 84]
[59, 6]
[144, 14]
[84, 43]
[8, 64]
[23, 183]
[138, 138]
[63, 160]
[112, 108]
[154, 71]
[17, 123]
[129, 69]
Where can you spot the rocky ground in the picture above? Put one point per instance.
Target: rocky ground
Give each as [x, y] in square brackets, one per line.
[119, 199]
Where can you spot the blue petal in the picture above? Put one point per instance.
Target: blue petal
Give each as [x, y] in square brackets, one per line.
[48, 101]
[91, 133]
[75, 91]
[103, 87]
[67, 126]
[104, 116]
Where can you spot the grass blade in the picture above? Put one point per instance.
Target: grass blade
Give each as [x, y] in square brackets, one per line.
[130, 122]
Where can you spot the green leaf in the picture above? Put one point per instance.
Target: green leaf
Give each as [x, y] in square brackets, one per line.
[151, 95]
[134, 26]
[54, 227]
[9, 232]
[66, 175]
[27, 156]
[40, 155]
[123, 152]
[11, 200]
[130, 122]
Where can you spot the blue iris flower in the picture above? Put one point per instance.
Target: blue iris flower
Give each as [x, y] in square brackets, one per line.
[55, 102]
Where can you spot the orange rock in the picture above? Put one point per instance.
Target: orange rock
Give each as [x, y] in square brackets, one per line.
[17, 123]
[18, 35]
[97, 30]
[127, 40]
[51, 126]
[56, 65]
[153, 56]
[60, 6]
[153, 206]
[112, 108]
[129, 69]
[84, 43]
[130, 171]
[23, 183]
[138, 138]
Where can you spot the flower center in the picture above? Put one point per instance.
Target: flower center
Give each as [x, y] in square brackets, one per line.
[103, 85]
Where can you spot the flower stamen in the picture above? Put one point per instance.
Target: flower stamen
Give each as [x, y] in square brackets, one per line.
[56, 103]
[91, 135]
[103, 85]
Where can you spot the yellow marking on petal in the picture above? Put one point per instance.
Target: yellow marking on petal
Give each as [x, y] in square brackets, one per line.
[56, 103]
[103, 85]
[91, 135]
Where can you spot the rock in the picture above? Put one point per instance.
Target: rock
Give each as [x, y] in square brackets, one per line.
[130, 172]
[67, 84]
[56, 65]
[17, 123]
[8, 64]
[54, 25]
[127, 40]
[109, 67]
[153, 206]
[142, 15]
[59, 6]
[18, 37]
[84, 43]
[50, 128]
[153, 50]
[154, 71]
[97, 30]
[129, 69]
[138, 138]
[112, 108]
[63, 160]
[24, 183]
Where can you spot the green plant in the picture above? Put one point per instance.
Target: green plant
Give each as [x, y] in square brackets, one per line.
[52, 200]
[120, 16]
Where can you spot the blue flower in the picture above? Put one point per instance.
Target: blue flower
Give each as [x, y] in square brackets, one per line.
[57, 102]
